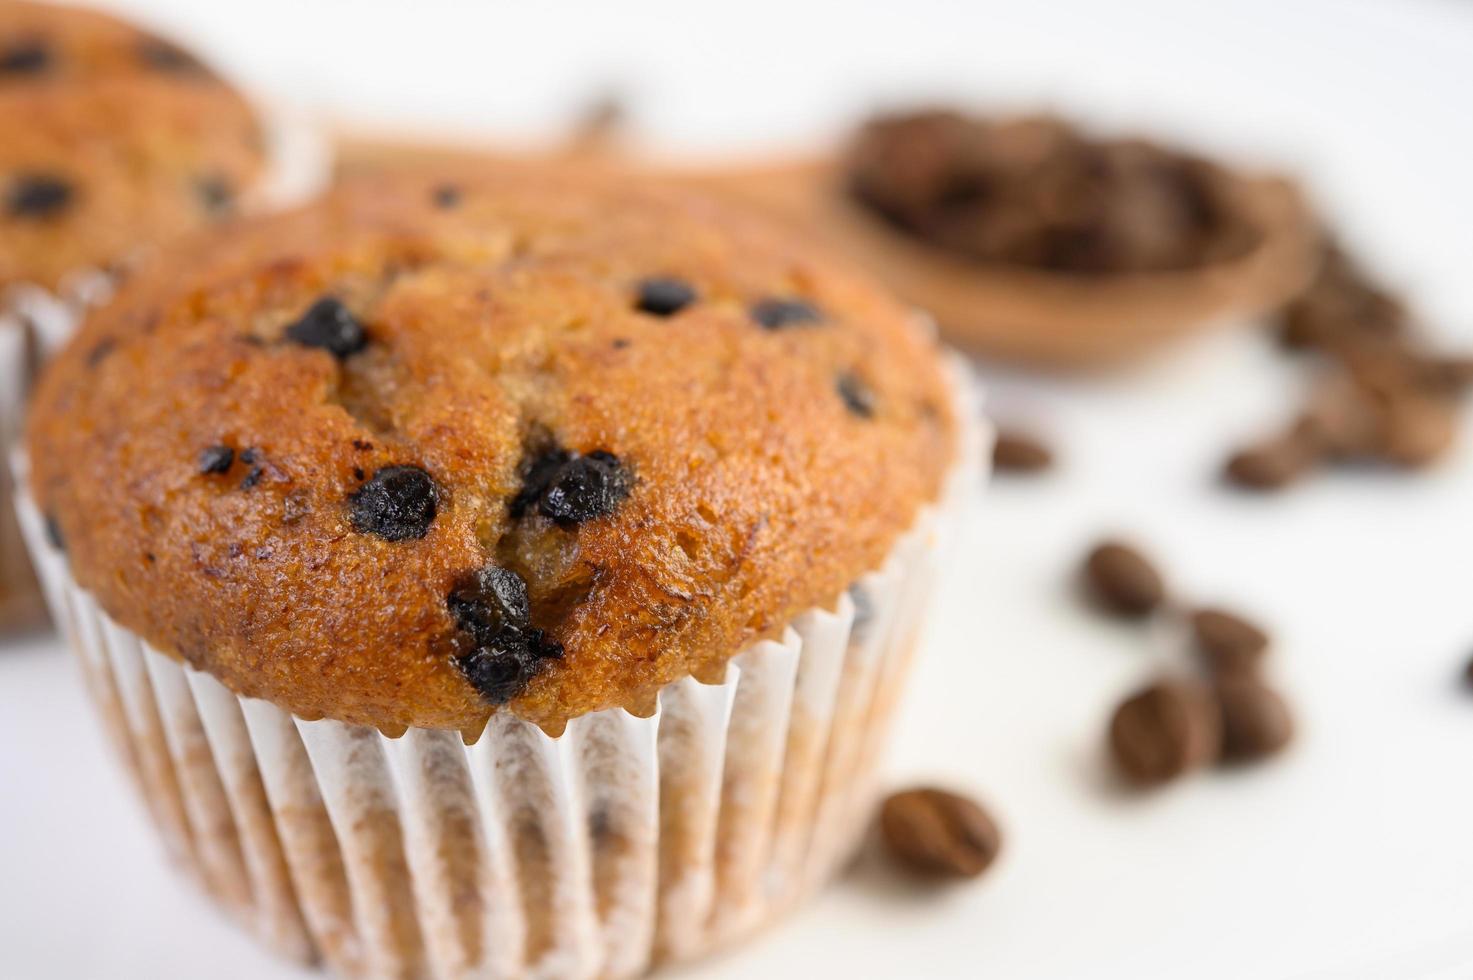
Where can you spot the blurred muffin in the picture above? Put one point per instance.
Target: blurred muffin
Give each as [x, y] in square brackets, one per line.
[115, 141]
[632, 493]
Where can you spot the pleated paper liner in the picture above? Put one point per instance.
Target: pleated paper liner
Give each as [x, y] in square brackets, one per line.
[35, 322]
[624, 842]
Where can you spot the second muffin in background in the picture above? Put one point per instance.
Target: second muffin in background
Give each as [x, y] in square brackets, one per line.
[629, 491]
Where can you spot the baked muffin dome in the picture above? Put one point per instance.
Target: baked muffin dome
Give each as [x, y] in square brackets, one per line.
[114, 139]
[522, 438]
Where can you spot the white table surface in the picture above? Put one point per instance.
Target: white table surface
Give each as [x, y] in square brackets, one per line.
[1351, 857]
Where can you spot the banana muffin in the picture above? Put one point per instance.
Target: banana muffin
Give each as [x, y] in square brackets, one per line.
[115, 140]
[489, 471]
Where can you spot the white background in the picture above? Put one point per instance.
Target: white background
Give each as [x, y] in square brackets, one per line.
[1351, 857]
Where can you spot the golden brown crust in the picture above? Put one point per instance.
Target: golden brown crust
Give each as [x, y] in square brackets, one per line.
[145, 141]
[494, 326]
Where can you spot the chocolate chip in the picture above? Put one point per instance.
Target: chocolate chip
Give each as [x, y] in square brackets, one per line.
[216, 195]
[54, 536]
[779, 314]
[939, 833]
[25, 58]
[501, 650]
[570, 488]
[857, 396]
[329, 325]
[1229, 644]
[1014, 452]
[163, 56]
[216, 459]
[38, 196]
[661, 296]
[1255, 720]
[446, 196]
[1123, 580]
[100, 351]
[1165, 730]
[398, 503]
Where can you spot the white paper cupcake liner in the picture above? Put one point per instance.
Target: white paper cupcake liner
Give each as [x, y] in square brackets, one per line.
[622, 843]
[35, 322]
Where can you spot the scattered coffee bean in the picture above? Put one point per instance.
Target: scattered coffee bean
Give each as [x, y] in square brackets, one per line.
[1255, 720]
[779, 314]
[500, 650]
[571, 488]
[1228, 644]
[1164, 731]
[1123, 580]
[398, 503]
[1015, 452]
[857, 396]
[25, 58]
[663, 296]
[446, 196]
[328, 324]
[38, 196]
[216, 459]
[938, 833]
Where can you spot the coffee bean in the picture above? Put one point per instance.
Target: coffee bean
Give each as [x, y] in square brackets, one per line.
[857, 396]
[25, 58]
[216, 459]
[1015, 452]
[329, 325]
[1272, 464]
[1228, 644]
[939, 833]
[1255, 720]
[38, 196]
[1417, 430]
[1164, 731]
[1123, 580]
[780, 314]
[398, 503]
[664, 296]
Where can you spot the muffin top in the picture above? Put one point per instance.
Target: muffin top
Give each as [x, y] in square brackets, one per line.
[437, 444]
[114, 139]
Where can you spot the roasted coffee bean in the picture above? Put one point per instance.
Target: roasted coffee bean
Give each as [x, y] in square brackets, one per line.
[1255, 720]
[25, 58]
[328, 324]
[501, 650]
[1228, 644]
[780, 314]
[1015, 452]
[1417, 430]
[397, 503]
[1274, 463]
[664, 296]
[857, 396]
[38, 196]
[216, 459]
[938, 833]
[1164, 731]
[571, 488]
[1123, 580]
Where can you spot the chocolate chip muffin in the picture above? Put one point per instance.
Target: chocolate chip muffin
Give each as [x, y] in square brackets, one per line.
[506, 459]
[115, 139]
